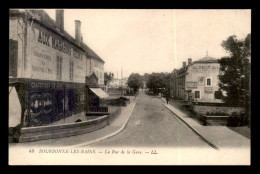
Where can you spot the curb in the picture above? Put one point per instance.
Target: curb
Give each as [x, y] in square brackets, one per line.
[194, 130]
[104, 137]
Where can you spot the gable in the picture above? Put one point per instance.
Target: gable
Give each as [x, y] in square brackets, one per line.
[92, 80]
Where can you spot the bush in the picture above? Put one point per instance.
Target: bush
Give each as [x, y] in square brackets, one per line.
[14, 134]
[236, 119]
[219, 113]
[123, 98]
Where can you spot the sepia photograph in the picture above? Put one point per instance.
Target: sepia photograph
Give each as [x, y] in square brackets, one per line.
[129, 87]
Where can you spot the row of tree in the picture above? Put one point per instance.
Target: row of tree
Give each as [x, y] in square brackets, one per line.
[155, 82]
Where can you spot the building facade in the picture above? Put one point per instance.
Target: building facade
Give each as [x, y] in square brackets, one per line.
[95, 65]
[197, 81]
[48, 68]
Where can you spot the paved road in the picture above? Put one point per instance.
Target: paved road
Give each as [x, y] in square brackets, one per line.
[151, 124]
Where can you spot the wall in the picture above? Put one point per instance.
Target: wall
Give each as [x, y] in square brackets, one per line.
[13, 28]
[65, 130]
[16, 28]
[98, 68]
[43, 47]
[114, 112]
[72, 119]
[196, 80]
[88, 69]
[204, 109]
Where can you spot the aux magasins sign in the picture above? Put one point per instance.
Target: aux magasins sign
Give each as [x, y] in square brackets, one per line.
[50, 41]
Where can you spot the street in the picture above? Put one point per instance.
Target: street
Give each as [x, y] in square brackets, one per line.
[153, 125]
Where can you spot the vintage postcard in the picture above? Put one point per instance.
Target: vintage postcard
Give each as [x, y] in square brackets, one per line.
[129, 87]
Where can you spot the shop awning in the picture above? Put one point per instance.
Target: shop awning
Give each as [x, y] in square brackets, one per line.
[99, 92]
[15, 109]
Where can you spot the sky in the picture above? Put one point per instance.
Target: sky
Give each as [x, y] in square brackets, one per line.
[155, 40]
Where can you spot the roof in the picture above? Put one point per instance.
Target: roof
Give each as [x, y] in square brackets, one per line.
[207, 59]
[43, 18]
[91, 53]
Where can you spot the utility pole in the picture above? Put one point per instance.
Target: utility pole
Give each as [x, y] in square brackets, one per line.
[121, 82]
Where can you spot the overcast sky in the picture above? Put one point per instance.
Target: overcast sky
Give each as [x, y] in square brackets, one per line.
[155, 40]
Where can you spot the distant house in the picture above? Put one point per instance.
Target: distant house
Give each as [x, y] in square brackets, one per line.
[117, 87]
[116, 83]
[197, 81]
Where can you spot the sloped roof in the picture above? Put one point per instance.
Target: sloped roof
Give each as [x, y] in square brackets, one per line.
[207, 59]
[91, 53]
[48, 22]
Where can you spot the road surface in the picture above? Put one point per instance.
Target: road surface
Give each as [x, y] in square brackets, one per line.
[151, 124]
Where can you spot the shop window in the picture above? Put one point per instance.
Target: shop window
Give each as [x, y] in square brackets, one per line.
[197, 94]
[59, 67]
[208, 81]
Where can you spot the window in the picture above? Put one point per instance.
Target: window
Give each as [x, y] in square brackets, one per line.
[71, 69]
[208, 81]
[197, 94]
[59, 67]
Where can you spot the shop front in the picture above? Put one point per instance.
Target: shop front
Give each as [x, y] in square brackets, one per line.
[46, 102]
[95, 97]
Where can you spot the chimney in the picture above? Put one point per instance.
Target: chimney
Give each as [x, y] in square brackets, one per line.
[183, 64]
[189, 61]
[77, 31]
[60, 19]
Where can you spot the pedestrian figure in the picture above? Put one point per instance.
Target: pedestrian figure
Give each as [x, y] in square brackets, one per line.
[167, 99]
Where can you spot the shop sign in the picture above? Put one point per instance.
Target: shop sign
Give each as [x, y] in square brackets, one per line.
[44, 85]
[77, 55]
[35, 84]
[201, 80]
[46, 39]
[208, 90]
[191, 85]
[204, 68]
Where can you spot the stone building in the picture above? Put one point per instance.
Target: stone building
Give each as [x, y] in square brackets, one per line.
[51, 72]
[197, 81]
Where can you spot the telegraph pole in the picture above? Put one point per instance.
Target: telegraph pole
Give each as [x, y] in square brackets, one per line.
[122, 82]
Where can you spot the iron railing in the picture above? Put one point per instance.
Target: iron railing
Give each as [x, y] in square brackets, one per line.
[97, 109]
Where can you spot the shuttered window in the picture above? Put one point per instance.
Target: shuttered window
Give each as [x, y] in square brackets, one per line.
[71, 69]
[59, 68]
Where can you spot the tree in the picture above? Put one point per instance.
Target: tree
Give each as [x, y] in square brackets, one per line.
[145, 77]
[158, 83]
[235, 71]
[134, 81]
[108, 77]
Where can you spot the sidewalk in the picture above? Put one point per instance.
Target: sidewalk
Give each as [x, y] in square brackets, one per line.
[218, 136]
[113, 128]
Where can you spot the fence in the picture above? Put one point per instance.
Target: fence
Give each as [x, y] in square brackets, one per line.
[97, 109]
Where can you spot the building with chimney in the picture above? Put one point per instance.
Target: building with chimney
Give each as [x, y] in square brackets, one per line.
[197, 81]
[51, 74]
